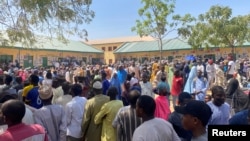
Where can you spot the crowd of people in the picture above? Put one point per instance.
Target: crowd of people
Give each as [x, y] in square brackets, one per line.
[162, 100]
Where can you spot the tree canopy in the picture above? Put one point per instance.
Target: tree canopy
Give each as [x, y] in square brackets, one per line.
[158, 20]
[217, 28]
[22, 20]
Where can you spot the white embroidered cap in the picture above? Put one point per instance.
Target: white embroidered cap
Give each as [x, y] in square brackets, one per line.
[97, 85]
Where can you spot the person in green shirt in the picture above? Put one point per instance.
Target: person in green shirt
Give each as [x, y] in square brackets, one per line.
[107, 115]
[90, 130]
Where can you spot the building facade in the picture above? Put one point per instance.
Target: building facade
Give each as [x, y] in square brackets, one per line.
[173, 50]
[46, 52]
[110, 45]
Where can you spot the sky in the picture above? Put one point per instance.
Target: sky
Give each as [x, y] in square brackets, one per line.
[115, 18]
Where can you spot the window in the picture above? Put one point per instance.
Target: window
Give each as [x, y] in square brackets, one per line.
[6, 58]
[114, 47]
[110, 48]
[103, 48]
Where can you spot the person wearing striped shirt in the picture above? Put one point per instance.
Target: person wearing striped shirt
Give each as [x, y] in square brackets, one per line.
[126, 120]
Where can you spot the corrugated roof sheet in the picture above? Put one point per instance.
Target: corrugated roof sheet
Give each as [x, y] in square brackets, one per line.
[149, 46]
[55, 44]
[120, 40]
[170, 44]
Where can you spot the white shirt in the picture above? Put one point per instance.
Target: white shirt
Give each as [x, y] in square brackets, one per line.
[74, 114]
[52, 118]
[216, 66]
[232, 68]
[58, 92]
[28, 117]
[111, 70]
[63, 100]
[3, 128]
[56, 65]
[210, 68]
[44, 74]
[19, 94]
[147, 89]
[155, 130]
[237, 65]
[67, 76]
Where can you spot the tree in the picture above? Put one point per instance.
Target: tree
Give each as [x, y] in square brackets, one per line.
[23, 20]
[218, 28]
[158, 20]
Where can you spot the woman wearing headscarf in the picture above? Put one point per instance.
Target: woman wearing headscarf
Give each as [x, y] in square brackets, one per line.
[114, 82]
[236, 97]
[170, 75]
[193, 73]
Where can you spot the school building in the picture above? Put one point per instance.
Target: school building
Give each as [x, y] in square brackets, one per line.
[109, 45]
[147, 49]
[173, 49]
[46, 51]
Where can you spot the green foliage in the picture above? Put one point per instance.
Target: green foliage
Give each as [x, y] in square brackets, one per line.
[158, 19]
[217, 28]
[154, 14]
[21, 20]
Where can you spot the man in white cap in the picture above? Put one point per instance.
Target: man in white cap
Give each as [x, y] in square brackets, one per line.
[91, 131]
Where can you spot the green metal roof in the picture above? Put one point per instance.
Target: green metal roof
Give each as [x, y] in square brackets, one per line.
[149, 46]
[45, 43]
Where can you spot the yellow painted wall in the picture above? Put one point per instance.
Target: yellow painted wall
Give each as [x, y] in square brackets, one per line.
[10, 51]
[108, 55]
[180, 54]
[19, 54]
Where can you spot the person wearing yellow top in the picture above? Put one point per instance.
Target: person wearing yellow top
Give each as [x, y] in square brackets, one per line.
[26, 90]
[107, 115]
[166, 68]
[155, 67]
[90, 130]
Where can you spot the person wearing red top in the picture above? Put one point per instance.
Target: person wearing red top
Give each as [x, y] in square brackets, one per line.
[177, 86]
[162, 109]
[12, 113]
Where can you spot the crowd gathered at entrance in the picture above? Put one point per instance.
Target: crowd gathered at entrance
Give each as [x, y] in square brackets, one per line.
[154, 101]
